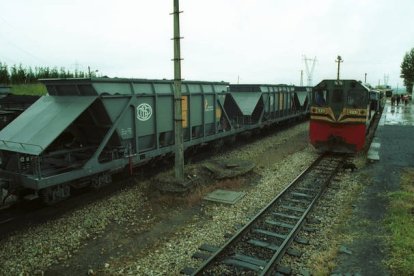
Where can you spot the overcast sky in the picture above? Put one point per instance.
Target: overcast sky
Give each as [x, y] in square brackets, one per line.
[261, 41]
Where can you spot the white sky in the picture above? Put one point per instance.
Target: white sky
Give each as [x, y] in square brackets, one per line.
[261, 41]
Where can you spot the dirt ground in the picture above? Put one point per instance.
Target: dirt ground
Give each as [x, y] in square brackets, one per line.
[165, 213]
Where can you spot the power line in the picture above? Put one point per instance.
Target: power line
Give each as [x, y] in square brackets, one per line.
[7, 39]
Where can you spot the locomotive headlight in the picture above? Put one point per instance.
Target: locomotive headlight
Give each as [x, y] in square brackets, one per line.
[353, 112]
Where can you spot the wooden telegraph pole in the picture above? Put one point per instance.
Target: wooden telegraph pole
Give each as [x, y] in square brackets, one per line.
[339, 60]
[179, 147]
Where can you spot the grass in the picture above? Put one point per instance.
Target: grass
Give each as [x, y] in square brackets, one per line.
[400, 223]
[37, 89]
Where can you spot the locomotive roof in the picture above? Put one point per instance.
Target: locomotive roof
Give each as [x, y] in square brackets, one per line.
[341, 82]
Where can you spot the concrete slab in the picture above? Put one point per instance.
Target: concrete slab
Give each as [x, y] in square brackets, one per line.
[224, 196]
[373, 152]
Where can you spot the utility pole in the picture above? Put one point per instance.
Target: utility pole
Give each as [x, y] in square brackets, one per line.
[301, 77]
[386, 78]
[365, 78]
[179, 146]
[338, 60]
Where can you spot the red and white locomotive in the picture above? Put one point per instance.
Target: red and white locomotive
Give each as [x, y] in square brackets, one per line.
[341, 113]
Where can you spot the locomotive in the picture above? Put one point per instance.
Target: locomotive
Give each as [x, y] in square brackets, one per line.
[341, 114]
[85, 130]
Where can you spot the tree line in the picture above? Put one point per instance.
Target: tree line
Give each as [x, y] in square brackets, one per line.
[407, 70]
[17, 74]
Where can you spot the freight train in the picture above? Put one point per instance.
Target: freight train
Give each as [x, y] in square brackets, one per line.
[86, 130]
[342, 112]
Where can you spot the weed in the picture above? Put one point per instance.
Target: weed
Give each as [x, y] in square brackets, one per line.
[400, 223]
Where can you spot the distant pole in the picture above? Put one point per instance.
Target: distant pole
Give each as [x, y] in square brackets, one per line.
[309, 71]
[338, 60]
[89, 71]
[179, 146]
[365, 78]
[301, 77]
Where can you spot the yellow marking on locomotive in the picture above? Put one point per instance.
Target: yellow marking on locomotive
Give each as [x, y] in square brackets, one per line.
[349, 112]
[322, 113]
[322, 118]
[347, 115]
[354, 120]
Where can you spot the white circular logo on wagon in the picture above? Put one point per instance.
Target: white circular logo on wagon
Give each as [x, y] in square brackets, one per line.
[144, 112]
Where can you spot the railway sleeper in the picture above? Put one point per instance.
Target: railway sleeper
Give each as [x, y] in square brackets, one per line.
[293, 208]
[263, 244]
[282, 215]
[300, 201]
[246, 262]
[242, 264]
[294, 252]
[201, 255]
[270, 233]
[280, 224]
[302, 195]
[302, 241]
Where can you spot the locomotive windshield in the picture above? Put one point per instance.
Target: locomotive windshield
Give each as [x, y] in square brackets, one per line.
[337, 96]
[357, 98]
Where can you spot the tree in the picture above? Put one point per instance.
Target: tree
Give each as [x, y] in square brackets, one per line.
[4, 74]
[407, 70]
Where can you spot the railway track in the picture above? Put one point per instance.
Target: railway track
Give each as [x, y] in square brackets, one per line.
[258, 247]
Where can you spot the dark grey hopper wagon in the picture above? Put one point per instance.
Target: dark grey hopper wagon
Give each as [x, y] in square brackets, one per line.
[85, 130]
[266, 104]
[94, 127]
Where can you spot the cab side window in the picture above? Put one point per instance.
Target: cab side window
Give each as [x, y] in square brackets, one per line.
[321, 97]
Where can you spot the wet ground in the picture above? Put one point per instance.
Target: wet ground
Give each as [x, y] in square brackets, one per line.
[368, 250]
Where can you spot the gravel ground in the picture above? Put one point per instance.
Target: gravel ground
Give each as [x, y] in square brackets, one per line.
[148, 236]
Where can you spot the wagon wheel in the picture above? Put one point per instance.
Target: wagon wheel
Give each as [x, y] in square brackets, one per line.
[52, 195]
